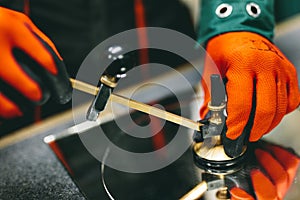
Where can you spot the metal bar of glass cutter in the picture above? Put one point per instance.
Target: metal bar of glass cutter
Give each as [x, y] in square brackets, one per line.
[151, 110]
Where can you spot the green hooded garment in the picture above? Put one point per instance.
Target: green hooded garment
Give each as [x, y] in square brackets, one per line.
[222, 16]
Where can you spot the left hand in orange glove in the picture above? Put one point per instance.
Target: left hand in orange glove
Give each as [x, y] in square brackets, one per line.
[261, 86]
[278, 168]
[31, 68]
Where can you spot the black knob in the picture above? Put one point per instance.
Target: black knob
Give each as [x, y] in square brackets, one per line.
[121, 62]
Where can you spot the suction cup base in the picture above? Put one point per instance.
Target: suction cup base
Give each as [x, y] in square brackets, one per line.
[216, 161]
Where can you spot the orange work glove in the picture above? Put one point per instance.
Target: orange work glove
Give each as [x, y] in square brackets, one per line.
[30, 67]
[280, 167]
[261, 86]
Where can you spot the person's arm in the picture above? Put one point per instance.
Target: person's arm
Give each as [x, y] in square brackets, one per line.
[261, 83]
[31, 69]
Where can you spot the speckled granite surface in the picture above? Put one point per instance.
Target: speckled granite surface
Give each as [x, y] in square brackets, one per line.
[30, 170]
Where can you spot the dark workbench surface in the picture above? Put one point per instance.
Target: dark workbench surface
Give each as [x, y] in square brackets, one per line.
[30, 170]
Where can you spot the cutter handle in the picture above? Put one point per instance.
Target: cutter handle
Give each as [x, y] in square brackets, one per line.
[217, 90]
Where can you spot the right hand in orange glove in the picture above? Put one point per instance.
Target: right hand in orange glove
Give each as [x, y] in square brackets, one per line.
[30, 67]
[278, 168]
[261, 86]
